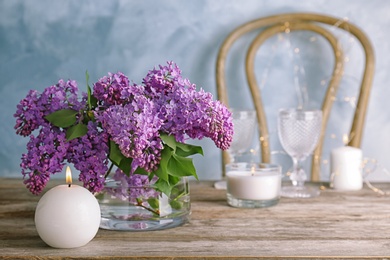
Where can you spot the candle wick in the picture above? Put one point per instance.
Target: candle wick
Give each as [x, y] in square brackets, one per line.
[70, 184]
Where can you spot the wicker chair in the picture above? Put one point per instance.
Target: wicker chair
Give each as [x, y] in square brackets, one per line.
[284, 23]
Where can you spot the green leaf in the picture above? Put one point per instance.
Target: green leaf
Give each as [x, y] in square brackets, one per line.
[188, 149]
[125, 165]
[180, 166]
[63, 118]
[141, 171]
[115, 154]
[181, 149]
[176, 191]
[76, 131]
[176, 204]
[92, 101]
[163, 186]
[154, 203]
[169, 140]
[162, 171]
[151, 175]
[117, 158]
[89, 91]
[87, 77]
[173, 180]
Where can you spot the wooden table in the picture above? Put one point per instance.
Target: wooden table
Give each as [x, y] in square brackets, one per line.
[334, 225]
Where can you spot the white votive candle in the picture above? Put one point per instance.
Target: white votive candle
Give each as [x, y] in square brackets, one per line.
[254, 183]
[346, 168]
[248, 186]
[67, 216]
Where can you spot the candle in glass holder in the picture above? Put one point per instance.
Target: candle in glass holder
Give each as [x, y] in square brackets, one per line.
[346, 168]
[253, 185]
[67, 216]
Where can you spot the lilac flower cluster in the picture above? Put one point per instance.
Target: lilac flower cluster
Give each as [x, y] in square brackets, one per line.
[185, 111]
[45, 156]
[46, 151]
[31, 110]
[108, 89]
[136, 131]
[130, 115]
[89, 155]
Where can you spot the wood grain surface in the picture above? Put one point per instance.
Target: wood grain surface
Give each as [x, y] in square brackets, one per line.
[338, 225]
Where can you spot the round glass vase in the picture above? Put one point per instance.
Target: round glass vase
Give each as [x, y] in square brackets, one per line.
[143, 208]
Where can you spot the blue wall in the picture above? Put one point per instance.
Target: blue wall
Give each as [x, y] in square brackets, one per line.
[43, 41]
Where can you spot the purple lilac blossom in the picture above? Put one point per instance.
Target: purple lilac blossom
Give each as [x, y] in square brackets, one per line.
[108, 90]
[89, 154]
[131, 91]
[185, 111]
[31, 110]
[159, 82]
[47, 151]
[134, 128]
[45, 156]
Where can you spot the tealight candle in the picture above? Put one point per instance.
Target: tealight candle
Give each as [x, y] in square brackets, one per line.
[253, 185]
[346, 168]
[67, 216]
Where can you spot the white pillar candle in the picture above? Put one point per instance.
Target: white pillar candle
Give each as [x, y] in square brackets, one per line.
[67, 216]
[346, 168]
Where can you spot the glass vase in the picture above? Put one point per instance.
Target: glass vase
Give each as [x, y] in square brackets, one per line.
[143, 208]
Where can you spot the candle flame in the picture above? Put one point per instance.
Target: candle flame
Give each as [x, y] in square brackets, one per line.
[345, 139]
[68, 176]
[253, 170]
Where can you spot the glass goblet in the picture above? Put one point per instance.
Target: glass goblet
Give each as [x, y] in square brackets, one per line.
[299, 131]
[244, 126]
[244, 123]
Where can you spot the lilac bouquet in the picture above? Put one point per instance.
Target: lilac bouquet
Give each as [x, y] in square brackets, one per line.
[139, 128]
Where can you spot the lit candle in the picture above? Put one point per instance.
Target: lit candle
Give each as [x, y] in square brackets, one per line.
[251, 185]
[346, 168]
[67, 216]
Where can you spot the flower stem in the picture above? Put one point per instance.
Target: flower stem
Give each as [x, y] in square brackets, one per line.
[139, 203]
[109, 171]
[179, 196]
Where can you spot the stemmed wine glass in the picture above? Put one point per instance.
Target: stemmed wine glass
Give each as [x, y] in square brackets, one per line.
[245, 125]
[299, 131]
